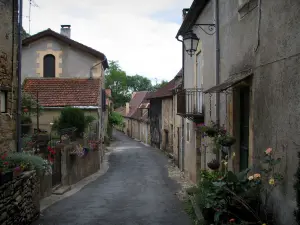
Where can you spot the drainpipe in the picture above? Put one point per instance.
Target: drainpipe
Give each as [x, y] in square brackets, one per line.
[182, 119]
[19, 96]
[217, 60]
[217, 65]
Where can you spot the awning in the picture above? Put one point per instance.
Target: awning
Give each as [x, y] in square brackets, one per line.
[231, 81]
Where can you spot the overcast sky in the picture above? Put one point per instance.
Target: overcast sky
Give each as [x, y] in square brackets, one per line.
[140, 34]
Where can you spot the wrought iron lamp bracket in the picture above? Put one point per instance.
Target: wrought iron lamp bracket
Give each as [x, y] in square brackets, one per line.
[210, 28]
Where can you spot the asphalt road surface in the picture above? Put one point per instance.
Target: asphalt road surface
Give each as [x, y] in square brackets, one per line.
[136, 190]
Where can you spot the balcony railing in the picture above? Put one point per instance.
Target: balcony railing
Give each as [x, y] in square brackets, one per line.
[190, 103]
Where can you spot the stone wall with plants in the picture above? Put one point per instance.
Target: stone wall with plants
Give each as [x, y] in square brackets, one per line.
[19, 199]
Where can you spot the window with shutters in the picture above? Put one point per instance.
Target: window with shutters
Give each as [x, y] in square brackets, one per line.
[49, 65]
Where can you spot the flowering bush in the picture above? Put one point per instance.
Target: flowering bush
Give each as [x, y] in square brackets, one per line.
[4, 164]
[235, 198]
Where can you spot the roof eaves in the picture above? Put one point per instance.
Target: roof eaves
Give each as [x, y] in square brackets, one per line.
[192, 16]
[70, 41]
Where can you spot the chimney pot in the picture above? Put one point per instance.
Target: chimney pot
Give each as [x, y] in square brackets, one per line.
[65, 30]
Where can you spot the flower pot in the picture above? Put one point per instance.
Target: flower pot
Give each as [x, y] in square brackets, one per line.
[227, 141]
[214, 165]
[6, 177]
[211, 132]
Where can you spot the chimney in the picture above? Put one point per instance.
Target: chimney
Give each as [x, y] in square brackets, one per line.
[65, 30]
[127, 108]
[184, 12]
[133, 94]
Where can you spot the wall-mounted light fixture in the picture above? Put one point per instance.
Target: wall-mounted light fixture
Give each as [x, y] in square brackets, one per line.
[191, 40]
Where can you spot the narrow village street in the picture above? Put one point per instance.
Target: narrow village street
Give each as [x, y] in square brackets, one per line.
[135, 190]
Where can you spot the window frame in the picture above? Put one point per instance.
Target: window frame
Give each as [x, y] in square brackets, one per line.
[188, 133]
[47, 55]
[5, 101]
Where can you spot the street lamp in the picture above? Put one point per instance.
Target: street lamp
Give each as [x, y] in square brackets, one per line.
[190, 41]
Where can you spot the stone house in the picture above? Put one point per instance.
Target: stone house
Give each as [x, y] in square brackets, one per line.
[53, 56]
[177, 121]
[162, 117]
[254, 92]
[8, 74]
[135, 116]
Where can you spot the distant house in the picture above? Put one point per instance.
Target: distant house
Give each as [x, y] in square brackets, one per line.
[55, 94]
[135, 113]
[49, 55]
[162, 117]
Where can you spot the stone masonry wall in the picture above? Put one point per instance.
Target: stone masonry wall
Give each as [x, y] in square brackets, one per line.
[8, 71]
[19, 200]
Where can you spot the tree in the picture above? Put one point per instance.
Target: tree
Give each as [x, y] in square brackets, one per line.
[24, 34]
[157, 86]
[116, 80]
[138, 83]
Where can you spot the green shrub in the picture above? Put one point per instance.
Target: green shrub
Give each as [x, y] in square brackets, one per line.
[89, 119]
[30, 162]
[115, 119]
[72, 117]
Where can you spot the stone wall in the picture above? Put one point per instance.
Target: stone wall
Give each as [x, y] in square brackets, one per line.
[75, 168]
[19, 200]
[8, 71]
[167, 124]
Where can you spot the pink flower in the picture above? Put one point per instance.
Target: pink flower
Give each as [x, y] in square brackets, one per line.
[268, 151]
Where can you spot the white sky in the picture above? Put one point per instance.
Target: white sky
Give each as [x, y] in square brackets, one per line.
[139, 34]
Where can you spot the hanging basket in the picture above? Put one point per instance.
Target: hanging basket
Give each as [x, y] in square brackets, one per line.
[227, 140]
[214, 164]
[209, 131]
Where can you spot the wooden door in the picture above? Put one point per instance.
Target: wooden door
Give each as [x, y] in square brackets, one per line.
[244, 127]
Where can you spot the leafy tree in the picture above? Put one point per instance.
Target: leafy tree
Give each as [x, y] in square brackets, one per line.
[24, 34]
[116, 80]
[138, 83]
[157, 86]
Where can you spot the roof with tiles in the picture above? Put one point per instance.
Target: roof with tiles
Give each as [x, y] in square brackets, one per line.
[135, 102]
[165, 91]
[60, 92]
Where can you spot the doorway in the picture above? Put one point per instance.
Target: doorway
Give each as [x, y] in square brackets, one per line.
[244, 114]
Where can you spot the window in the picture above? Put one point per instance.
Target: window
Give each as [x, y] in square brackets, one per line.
[187, 132]
[49, 66]
[199, 82]
[3, 101]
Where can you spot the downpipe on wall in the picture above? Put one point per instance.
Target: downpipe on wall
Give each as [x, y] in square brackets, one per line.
[217, 75]
[182, 119]
[19, 96]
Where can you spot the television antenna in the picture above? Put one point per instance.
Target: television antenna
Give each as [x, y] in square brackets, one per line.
[32, 3]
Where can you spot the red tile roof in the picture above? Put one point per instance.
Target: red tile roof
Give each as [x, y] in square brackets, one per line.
[59, 92]
[138, 98]
[165, 91]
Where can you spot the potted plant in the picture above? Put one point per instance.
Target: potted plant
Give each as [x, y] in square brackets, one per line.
[214, 164]
[226, 140]
[17, 171]
[26, 124]
[210, 131]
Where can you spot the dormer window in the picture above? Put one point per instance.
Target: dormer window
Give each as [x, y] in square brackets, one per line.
[49, 65]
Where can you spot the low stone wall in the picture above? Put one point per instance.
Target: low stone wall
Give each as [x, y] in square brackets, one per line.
[19, 200]
[45, 186]
[75, 168]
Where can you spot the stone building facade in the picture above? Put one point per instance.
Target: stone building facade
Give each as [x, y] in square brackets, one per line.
[8, 73]
[258, 83]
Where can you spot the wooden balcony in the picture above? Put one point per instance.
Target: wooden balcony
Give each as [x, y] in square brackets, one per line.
[190, 104]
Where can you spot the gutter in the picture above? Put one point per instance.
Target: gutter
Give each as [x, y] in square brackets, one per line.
[217, 60]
